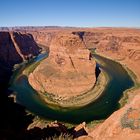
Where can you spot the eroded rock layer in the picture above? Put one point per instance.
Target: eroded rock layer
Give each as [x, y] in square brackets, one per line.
[68, 71]
[15, 47]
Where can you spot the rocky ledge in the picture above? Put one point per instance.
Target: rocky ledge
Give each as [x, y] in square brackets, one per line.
[68, 71]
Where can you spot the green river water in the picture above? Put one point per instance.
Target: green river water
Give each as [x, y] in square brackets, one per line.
[119, 81]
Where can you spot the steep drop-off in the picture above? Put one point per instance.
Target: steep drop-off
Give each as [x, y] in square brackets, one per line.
[15, 47]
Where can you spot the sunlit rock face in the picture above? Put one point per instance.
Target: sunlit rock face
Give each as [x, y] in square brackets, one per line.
[68, 71]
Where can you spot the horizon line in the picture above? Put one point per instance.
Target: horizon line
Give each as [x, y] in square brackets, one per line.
[59, 26]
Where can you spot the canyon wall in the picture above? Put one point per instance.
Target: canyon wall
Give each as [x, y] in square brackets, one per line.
[43, 38]
[122, 44]
[15, 47]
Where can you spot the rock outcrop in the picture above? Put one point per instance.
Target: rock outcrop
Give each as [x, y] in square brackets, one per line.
[15, 47]
[122, 124]
[68, 71]
[43, 38]
[25, 44]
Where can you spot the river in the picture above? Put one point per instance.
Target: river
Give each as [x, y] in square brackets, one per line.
[119, 81]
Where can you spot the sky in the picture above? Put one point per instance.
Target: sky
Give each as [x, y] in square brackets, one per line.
[77, 13]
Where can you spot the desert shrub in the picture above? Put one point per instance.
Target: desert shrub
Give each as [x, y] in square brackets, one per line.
[61, 137]
[130, 122]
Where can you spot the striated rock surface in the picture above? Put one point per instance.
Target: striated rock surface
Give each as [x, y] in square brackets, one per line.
[15, 47]
[68, 71]
[26, 44]
[43, 38]
[8, 53]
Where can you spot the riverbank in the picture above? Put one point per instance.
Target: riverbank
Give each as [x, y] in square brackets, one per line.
[80, 100]
[134, 72]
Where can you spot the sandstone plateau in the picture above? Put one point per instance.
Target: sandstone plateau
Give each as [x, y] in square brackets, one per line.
[68, 71]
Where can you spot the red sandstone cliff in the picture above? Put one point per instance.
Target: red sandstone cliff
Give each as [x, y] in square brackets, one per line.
[15, 47]
[43, 38]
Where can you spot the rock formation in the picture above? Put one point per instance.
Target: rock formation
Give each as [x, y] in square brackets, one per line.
[68, 71]
[43, 38]
[15, 47]
[122, 124]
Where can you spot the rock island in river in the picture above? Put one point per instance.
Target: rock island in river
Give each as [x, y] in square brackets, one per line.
[68, 72]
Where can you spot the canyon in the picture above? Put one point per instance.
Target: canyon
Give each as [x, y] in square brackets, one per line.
[119, 44]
